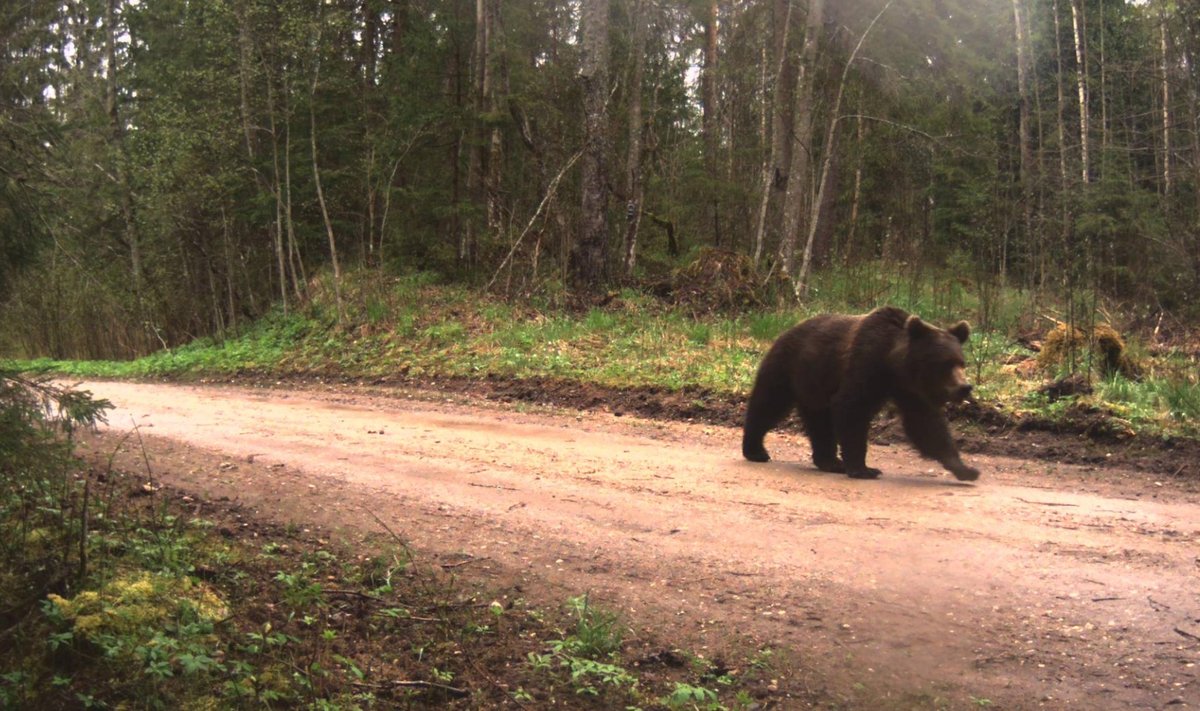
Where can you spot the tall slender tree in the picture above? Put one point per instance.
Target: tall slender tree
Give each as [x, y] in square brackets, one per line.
[633, 158]
[1024, 133]
[799, 183]
[589, 253]
[1081, 83]
[778, 160]
[709, 115]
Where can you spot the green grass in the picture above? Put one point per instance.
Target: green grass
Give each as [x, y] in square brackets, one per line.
[1160, 404]
[414, 326]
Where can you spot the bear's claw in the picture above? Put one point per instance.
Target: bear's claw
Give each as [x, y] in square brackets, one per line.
[756, 455]
[865, 473]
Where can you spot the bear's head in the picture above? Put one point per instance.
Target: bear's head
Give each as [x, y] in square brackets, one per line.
[933, 361]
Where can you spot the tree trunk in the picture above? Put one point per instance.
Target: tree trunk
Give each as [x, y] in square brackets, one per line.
[295, 261]
[117, 134]
[1081, 81]
[798, 179]
[497, 86]
[1064, 247]
[1061, 108]
[1166, 103]
[245, 52]
[312, 120]
[589, 253]
[822, 219]
[370, 34]
[369, 60]
[856, 194]
[1104, 136]
[633, 160]
[1188, 45]
[1023, 127]
[829, 162]
[399, 26]
[775, 166]
[277, 230]
[229, 271]
[708, 126]
[477, 179]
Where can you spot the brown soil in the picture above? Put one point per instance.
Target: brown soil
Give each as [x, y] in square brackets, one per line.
[1046, 585]
[1079, 436]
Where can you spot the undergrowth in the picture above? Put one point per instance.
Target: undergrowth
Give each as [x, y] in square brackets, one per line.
[413, 327]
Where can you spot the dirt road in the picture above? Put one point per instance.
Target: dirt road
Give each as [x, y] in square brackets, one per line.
[1039, 587]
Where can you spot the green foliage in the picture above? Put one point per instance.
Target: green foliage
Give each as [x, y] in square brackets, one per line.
[45, 498]
[588, 653]
[185, 205]
[686, 696]
[597, 633]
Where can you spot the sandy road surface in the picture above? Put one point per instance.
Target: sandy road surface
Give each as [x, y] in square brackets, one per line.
[1040, 587]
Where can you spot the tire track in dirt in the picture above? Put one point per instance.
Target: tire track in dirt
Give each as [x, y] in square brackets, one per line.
[1041, 587]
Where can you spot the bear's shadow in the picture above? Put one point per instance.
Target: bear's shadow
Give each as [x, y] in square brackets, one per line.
[886, 478]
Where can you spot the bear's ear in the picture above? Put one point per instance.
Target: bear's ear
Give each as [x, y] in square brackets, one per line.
[916, 327]
[961, 331]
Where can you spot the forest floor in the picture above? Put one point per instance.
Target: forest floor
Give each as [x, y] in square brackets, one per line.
[1044, 585]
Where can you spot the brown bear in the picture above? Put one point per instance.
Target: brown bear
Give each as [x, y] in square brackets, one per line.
[839, 371]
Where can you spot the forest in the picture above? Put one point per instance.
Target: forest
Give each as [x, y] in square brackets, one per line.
[172, 169]
[459, 302]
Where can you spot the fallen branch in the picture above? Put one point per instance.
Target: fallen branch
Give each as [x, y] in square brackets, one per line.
[354, 593]
[1043, 503]
[492, 486]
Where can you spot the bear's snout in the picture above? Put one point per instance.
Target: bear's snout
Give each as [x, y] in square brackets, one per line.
[957, 387]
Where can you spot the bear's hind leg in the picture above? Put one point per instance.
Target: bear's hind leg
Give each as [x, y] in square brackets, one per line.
[819, 426]
[768, 407]
[852, 425]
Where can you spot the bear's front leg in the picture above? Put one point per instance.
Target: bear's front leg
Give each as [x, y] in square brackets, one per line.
[927, 428]
[960, 470]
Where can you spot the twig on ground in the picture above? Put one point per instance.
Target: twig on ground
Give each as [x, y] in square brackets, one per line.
[492, 486]
[456, 691]
[393, 534]
[1043, 503]
[472, 559]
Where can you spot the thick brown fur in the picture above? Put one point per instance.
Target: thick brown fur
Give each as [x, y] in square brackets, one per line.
[837, 372]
